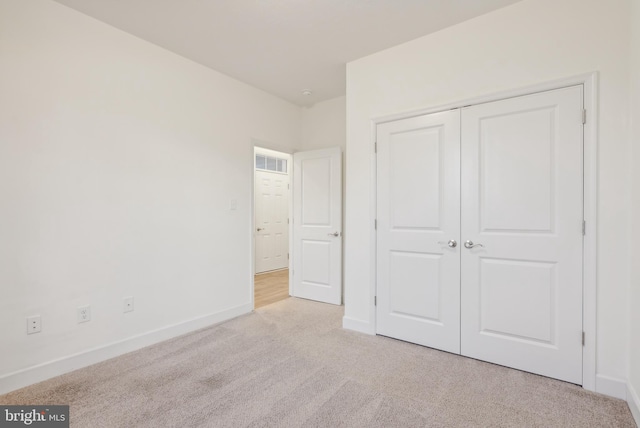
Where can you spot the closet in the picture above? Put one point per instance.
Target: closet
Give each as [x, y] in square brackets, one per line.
[480, 231]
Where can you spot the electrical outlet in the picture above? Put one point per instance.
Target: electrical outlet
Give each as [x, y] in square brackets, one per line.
[127, 304]
[84, 314]
[34, 324]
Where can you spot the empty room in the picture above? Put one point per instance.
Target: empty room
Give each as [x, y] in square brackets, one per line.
[394, 213]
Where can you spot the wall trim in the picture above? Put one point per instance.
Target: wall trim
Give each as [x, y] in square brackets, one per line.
[633, 400]
[357, 325]
[589, 81]
[611, 386]
[57, 367]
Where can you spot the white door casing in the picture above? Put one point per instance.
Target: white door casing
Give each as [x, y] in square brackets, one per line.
[522, 200]
[317, 225]
[271, 221]
[418, 273]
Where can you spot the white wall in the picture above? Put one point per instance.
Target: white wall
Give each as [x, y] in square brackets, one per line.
[324, 125]
[530, 42]
[634, 300]
[118, 162]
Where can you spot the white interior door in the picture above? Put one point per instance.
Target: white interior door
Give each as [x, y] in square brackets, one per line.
[317, 225]
[522, 208]
[509, 189]
[271, 217]
[418, 209]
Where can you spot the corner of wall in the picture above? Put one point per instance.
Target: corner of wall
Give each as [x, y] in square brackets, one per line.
[357, 325]
[633, 388]
[633, 400]
[613, 387]
[47, 370]
[324, 124]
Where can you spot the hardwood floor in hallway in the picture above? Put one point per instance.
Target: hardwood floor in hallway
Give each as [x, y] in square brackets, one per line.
[271, 287]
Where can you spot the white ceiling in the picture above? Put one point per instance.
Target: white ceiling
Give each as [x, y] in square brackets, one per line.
[282, 46]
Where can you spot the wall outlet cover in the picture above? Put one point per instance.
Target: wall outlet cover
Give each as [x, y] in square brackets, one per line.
[127, 304]
[84, 314]
[34, 324]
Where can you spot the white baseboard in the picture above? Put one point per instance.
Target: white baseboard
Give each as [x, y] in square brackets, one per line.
[611, 386]
[633, 399]
[357, 325]
[44, 371]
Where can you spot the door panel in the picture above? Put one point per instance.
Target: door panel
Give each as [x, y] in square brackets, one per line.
[518, 299]
[514, 146]
[414, 157]
[317, 225]
[316, 263]
[316, 191]
[409, 297]
[271, 218]
[418, 209]
[521, 291]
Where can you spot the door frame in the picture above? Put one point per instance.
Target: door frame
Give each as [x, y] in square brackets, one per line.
[589, 81]
[256, 144]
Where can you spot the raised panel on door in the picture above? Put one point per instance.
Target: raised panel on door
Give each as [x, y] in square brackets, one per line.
[317, 225]
[418, 213]
[521, 294]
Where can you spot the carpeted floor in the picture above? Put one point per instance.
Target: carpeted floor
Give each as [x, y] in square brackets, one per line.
[291, 364]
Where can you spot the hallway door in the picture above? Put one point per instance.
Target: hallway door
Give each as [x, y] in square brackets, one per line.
[317, 225]
[271, 221]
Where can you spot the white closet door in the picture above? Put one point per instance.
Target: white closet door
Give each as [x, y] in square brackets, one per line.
[317, 225]
[522, 208]
[418, 214]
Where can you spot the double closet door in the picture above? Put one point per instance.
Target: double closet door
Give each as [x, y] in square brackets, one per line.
[480, 232]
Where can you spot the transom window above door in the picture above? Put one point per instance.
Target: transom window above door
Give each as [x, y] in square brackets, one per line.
[269, 163]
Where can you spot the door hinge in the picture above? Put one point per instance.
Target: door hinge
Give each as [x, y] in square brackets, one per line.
[584, 116]
[287, 256]
[375, 224]
[287, 221]
[375, 300]
[583, 338]
[375, 147]
[288, 187]
[584, 227]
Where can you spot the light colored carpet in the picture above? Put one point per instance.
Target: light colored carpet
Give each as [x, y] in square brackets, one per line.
[291, 364]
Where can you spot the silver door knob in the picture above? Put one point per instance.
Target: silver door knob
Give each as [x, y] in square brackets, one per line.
[259, 229]
[470, 244]
[336, 234]
[452, 243]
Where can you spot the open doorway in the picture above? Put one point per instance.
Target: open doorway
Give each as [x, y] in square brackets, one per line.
[271, 226]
